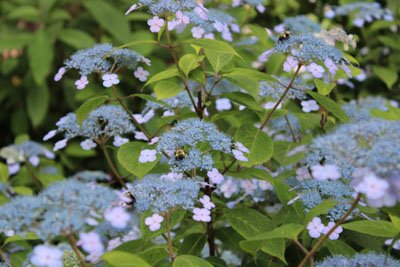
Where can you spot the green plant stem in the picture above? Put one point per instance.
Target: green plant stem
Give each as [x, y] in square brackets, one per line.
[110, 162]
[281, 98]
[32, 174]
[317, 246]
[291, 129]
[170, 247]
[4, 258]
[72, 243]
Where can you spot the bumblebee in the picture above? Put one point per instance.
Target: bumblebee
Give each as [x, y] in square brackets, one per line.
[180, 154]
[130, 199]
[284, 36]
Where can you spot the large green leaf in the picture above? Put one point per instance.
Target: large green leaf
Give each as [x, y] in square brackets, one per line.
[117, 258]
[110, 18]
[242, 80]
[153, 255]
[217, 59]
[128, 156]
[244, 99]
[37, 103]
[190, 261]
[321, 208]
[374, 228]
[193, 244]
[76, 38]
[40, 53]
[163, 75]
[167, 89]
[330, 105]
[387, 75]
[214, 45]
[257, 141]
[188, 63]
[338, 247]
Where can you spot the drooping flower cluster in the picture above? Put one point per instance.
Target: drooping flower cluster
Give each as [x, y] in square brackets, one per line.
[103, 59]
[361, 12]
[196, 138]
[368, 259]
[101, 124]
[29, 152]
[160, 193]
[62, 208]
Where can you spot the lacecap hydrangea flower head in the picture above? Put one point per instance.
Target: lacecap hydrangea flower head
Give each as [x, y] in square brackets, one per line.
[100, 125]
[360, 259]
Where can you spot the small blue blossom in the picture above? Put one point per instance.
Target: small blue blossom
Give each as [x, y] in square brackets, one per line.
[276, 88]
[158, 193]
[91, 176]
[368, 259]
[163, 6]
[301, 24]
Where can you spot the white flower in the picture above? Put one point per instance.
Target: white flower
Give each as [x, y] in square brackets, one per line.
[13, 168]
[49, 135]
[206, 201]
[372, 186]
[201, 215]
[144, 118]
[59, 74]
[60, 144]
[280, 28]
[132, 8]
[236, 3]
[335, 234]
[181, 18]
[201, 11]
[48, 154]
[154, 140]
[265, 185]
[227, 36]
[109, 79]
[119, 141]
[332, 67]
[197, 32]
[290, 64]
[88, 144]
[141, 136]
[329, 14]
[248, 186]
[9, 232]
[325, 172]
[113, 243]
[148, 155]
[223, 104]
[358, 22]
[168, 113]
[271, 105]
[239, 155]
[316, 70]
[118, 217]
[235, 28]
[396, 244]
[229, 188]
[154, 222]
[34, 160]
[239, 146]
[346, 69]
[141, 74]
[265, 55]
[215, 176]
[81, 83]
[303, 174]
[90, 242]
[260, 8]
[46, 256]
[155, 24]
[309, 105]
[315, 227]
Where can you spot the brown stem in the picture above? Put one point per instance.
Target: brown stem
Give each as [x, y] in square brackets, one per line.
[291, 129]
[32, 174]
[4, 258]
[210, 225]
[72, 243]
[170, 247]
[110, 162]
[317, 246]
[281, 98]
[226, 169]
[305, 251]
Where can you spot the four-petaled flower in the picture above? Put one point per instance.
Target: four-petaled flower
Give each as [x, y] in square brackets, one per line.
[155, 24]
[201, 215]
[335, 234]
[215, 176]
[197, 32]
[148, 155]
[316, 70]
[109, 79]
[154, 222]
[315, 227]
[290, 64]
[81, 83]
[206, 201]
[141, 74]
[325, 172]
[88, 144]
[309, 105]
[332, 67]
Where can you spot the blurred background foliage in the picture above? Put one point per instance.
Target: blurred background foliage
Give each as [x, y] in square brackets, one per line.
[37, 35]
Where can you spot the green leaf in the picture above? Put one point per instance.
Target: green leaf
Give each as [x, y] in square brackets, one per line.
[188, 63]
[214, 45]
[193, 244]
[4, 173]
[282, 150]
[110, 18]
[190, 261]
[321, 208]
[374, 228]
[287, 231]
[124, 259]
[23, 190]
[88, 106]
[163, 75]
[40, 54]
[167, 89]
[128, 156]
[153, 255]
[29, 13]
[324, 88]
[330, 105]
[15, 238]
[244, 99]
[257, 141]
[248, 83]
[76, 38]
[37, 104]
[248, 222]
[391, 113]
[218, 60]
[388, 76]
[338, 247]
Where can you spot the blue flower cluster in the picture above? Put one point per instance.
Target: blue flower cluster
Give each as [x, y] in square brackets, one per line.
[163, 6]
[360, 110]
[24, 151]
[368, 259]
[101, 58]
[197, 138]
[301, 24]
[61, 208]
[91, 176]
[279, 128]
[276, 88]
[158, 193]
[362, 11]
